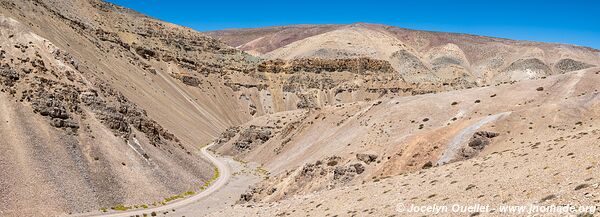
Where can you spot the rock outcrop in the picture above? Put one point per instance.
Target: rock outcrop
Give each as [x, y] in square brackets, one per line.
[317, 65]
[569, 65]
[478, 142]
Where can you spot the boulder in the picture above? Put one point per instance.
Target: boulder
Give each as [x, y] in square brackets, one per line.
[367, 158]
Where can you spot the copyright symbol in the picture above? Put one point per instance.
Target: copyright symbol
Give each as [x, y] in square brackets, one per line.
[400, 207]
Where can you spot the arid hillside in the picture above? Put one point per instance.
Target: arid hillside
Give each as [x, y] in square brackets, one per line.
[105, 108]
[88, 121]
[531, 142]
[419, 56]
[101, 102]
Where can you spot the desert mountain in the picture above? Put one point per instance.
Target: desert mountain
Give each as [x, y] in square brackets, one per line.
[527, 104]
[104, 107]
[419, 56]
[100, 101]
[533, 142]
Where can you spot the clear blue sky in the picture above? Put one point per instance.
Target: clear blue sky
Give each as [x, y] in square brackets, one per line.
[573, 22]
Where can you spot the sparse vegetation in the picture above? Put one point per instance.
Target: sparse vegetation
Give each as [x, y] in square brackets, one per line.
[121, 207]
[262, 171]
[180, 196]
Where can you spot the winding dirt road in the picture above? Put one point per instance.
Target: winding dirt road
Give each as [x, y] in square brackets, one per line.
[224, 175]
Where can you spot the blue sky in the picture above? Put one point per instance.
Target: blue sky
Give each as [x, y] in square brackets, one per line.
[572, 22]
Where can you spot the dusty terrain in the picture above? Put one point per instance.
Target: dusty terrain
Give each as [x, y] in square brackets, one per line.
[419, 56]
[543, 152]
[105, 108]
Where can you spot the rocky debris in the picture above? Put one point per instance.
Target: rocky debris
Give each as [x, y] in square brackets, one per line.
[119, 115]
[9, 76]
[427, 165]
[238, 86]
[155, 40]
[358, 168]
[347, 173]
[305, 179]
[57, 91]
[299, 82]
[61, 123]
[253, 110]
[569, 65]
[57, 112]
[61, 101]
[307, 101]
[318, 65]
[332, 161]
[444, 61]
[535, 68]
[145, 53]
[190, 80]
[228, 134]
[54, 100]
[477, 143]
[406, 62]
[273, 66]
[247, 196]
[367, 158]
[252, 137]
[481, 139]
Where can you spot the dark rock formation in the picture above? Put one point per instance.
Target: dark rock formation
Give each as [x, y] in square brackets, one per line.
[476, 144]
[318, 65]
[190, 80]
[367, 158]
[481, 139]
[569, 65]
[252, 137]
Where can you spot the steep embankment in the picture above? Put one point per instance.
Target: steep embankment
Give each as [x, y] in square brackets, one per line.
[222, 177]
[91, 117]
[74, 143]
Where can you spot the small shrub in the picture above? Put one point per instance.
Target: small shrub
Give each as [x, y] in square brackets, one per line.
[120, 207]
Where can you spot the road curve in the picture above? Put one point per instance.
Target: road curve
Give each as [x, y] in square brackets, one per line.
[224, 175]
